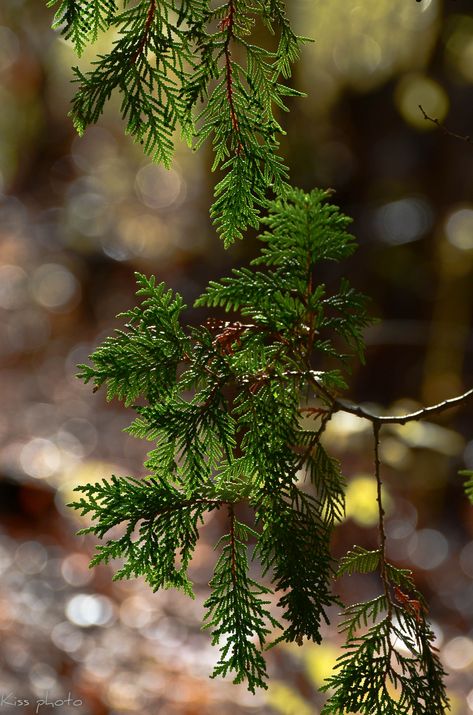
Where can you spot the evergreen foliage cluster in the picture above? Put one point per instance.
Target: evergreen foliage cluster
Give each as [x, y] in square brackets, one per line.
[193, 66]
[222, 402]
[225, 403]
[389, 665]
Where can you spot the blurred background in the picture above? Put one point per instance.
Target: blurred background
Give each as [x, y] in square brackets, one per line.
[79, 216]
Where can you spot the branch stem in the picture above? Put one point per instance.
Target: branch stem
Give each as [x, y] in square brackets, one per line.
[146, 31]
[381, 515]
[339, 405]
[228, 23]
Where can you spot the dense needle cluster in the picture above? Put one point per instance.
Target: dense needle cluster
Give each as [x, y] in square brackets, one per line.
[225, 404]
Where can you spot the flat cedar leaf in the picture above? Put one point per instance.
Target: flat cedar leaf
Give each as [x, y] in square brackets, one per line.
[359, 560]
[237, 613]
[81, 21]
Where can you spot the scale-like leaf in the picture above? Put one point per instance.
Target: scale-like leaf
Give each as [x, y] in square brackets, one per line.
[359, 560]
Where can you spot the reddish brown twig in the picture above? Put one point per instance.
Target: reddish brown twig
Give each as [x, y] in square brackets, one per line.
[410, 604]
[231, 333]
[316, 411]
[146, 31]
[381, 515]
[228, 24]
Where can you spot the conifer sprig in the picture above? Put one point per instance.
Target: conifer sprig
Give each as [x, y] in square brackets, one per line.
[161, 525]
[389, 665]
[81, 21]
[236, 612]
[168, 55]
[147, 67]
[142, 360]
[222, 404]
[239, 113]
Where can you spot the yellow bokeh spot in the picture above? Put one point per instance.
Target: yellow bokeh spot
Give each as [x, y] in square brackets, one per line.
[416, 90]
[320, 662]
[286, 701]
[361, 504]
[459, 45]
[361, 43]
[459, 227]
[456, 704]
[88, 472]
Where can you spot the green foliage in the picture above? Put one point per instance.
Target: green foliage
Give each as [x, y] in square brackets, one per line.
[235, 611]
[304, 230]
[128, 362]
[222, 404]
[294, 544]
[169, 55]
[359, 561]
[468, 473]
[81, 21]
[392, 667]
[163, 522]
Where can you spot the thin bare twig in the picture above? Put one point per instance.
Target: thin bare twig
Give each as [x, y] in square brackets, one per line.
[345, 406]
[445, 130]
